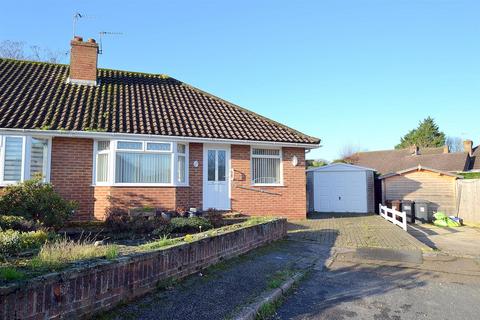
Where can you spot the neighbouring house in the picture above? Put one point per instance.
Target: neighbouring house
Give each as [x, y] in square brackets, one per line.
[438, 187]
[428, 174]
[127, 139]
[340, 187]
[389, 161]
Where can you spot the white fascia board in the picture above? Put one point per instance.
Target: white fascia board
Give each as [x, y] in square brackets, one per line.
[131, 136]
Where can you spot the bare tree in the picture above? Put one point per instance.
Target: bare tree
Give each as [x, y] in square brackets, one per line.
[455, 144]
[12, 49]
[348, 151]
[16, 50]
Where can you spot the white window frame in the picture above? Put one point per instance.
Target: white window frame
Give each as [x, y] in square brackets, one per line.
[112, 152]
[280, 156]
[186, 155]
[26, 161]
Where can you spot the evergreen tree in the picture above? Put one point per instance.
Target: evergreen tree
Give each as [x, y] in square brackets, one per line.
[427, 134]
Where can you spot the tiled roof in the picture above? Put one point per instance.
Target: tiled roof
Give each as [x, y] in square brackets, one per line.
[35, 95]
[389, 161]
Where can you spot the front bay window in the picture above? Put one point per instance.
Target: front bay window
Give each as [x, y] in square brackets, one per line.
[23, 157]
[124, 162]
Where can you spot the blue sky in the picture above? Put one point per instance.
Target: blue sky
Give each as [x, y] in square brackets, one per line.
[349, 72]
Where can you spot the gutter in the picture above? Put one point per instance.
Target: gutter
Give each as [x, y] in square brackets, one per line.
[153, 137]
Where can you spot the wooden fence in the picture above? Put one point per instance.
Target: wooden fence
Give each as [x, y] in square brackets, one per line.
[468, 200]
[396, 217]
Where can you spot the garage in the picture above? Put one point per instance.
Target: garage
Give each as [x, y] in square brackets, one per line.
[340, 187]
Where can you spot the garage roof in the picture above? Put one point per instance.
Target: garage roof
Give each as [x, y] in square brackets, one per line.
[340, 167]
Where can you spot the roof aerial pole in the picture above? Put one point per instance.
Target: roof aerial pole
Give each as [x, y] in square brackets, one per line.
[76, 16]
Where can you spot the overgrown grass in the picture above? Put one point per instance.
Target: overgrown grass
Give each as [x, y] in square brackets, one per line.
[10, 273]
[470, 175]
[278, 278]
[55, 255]
[268, 309]
[164, 241]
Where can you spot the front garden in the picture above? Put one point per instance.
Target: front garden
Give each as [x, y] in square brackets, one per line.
[37, 238]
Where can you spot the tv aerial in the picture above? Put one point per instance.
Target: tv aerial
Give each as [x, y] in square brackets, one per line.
[77, 16]
[101, 34]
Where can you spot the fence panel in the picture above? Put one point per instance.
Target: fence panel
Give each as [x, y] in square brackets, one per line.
[468, 199]
[396, 217]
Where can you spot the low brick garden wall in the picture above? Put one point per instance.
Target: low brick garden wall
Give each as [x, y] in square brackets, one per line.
[81, 292]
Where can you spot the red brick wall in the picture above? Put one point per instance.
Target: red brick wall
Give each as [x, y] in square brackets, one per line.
[130, 197]
[81, 292]
[288, 200]
[71, 173]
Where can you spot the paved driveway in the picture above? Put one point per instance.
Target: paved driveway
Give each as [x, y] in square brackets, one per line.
[353, 231]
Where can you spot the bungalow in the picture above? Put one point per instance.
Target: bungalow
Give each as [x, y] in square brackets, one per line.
[126, 139]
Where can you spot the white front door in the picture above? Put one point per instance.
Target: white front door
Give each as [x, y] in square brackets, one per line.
[216, 181]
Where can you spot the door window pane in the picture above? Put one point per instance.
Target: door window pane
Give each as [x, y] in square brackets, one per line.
[211, 165]
[38, 157]
[143, 168]
[12, 170]
[221, 165]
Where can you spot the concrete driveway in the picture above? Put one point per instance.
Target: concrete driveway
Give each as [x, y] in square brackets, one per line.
[353, 231]
[461, 242]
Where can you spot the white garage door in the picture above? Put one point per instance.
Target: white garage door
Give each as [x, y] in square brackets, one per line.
[340, 191]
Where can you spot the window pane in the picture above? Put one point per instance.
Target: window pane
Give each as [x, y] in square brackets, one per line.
[129, 145]
[13, 159]
[143, 168]
[38, 157]
[221, 165]
[103, 145]
[181, 148]
[211, 165]
[266, 152]
[181, 169]
[266, 170]
[102, 167]
[158, 146]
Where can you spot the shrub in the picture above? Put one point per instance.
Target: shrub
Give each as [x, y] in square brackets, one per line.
[35, 200]
[9, 273]
[54, 255]
[13, 242]
[215, 217]
[190, 225]
[17, 223]
[119, 220]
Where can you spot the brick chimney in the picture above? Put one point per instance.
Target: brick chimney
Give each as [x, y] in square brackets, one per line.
[468, 146]
[83, 61]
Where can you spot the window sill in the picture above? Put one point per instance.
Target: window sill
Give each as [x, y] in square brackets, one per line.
[141, 185]
[267, 185]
